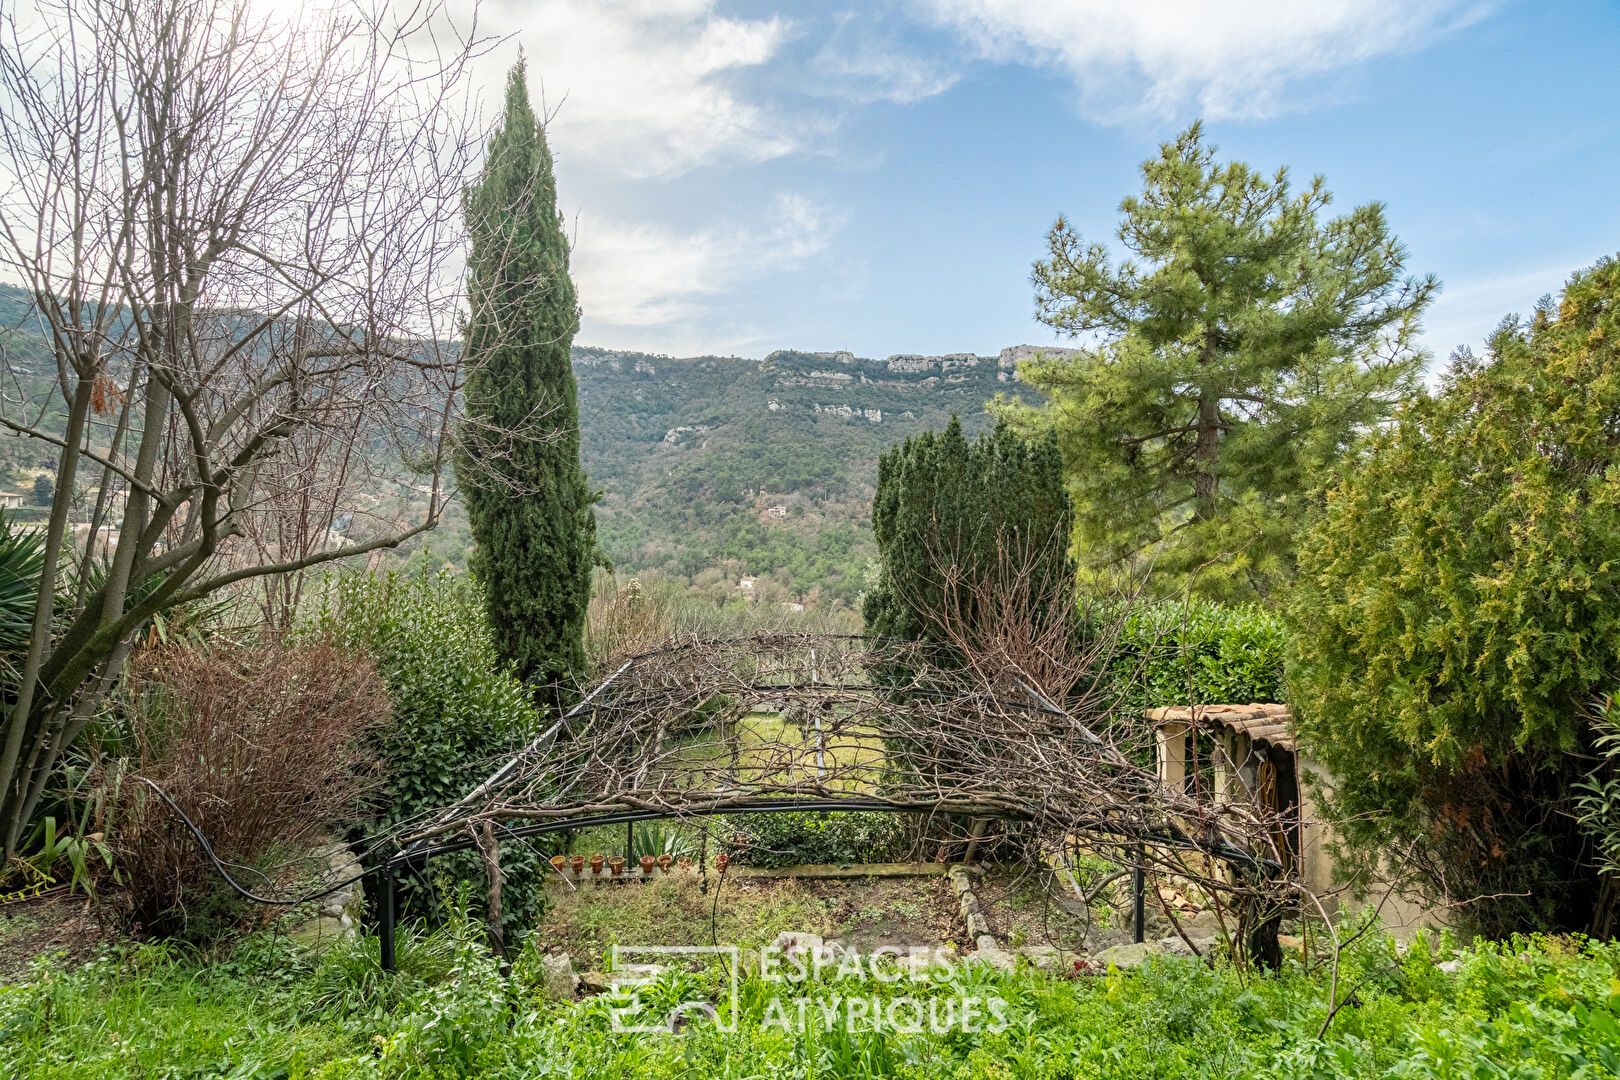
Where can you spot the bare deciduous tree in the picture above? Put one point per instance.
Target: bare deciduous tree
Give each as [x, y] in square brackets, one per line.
[243, 240]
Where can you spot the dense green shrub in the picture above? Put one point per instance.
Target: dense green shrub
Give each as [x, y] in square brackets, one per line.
[1199, 651]
[812, 837]
[1458, 610]
[456, 711]
[984, 509]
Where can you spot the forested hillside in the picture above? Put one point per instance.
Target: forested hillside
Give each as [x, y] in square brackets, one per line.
[765, 465]
[710, 467]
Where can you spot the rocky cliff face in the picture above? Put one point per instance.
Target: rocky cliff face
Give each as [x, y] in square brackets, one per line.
[683, 448]
[1012, 354]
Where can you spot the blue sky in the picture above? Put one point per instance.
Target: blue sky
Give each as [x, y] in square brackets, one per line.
[748, 176]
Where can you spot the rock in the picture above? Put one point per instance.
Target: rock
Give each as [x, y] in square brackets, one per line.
[1099, 938]
[994, 955]
[1176, 946]
[970, 905]
[1289, 943]
[977, 925]
[636, 973]
[600, 982]
[337, 913]
[321, 930]
[557, 973]
[1129, 956]
[1204, 920]
[1070, 906]
[1450, 967]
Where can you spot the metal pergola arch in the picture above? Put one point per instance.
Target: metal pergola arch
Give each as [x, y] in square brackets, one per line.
[616, 748]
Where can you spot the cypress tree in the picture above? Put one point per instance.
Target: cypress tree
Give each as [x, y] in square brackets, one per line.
[941, 499]
[518, 457]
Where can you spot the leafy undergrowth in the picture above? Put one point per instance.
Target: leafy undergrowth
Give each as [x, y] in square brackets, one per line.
[750, 912]
[268, 1009]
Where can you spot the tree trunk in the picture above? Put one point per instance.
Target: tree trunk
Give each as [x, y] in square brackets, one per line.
[489, 850]
[1205, 454]
[1263, 924]
[1206, 451]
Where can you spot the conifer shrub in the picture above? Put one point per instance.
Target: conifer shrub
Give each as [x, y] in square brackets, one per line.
[1458, 613]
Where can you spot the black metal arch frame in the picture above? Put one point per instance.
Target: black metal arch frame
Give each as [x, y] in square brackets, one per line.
[389, 868]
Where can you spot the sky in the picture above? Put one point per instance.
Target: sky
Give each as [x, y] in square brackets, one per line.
[879, 176]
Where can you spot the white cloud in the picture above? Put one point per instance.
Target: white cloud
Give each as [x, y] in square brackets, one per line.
[1161, 60]
[648, 285]
[864, 61]
[875, 73]
[644, 85]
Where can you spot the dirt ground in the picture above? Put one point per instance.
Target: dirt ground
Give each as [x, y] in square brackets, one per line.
[47, 925]
[863, 913]
[1020, 912]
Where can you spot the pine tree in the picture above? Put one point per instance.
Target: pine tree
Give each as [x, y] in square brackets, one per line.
[1228, 360]
[518, 459]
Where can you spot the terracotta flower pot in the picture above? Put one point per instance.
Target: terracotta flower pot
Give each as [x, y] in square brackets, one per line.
[684, 862]
[647, 864]
[558, 862]
[721, 862]
[578, 864]
[616, 864]
[596, 864]
[665, 861]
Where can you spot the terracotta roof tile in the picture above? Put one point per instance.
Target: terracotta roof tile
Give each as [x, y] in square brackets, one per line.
[1261, 722]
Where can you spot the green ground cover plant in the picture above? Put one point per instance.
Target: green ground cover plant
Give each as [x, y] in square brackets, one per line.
[264, 1008]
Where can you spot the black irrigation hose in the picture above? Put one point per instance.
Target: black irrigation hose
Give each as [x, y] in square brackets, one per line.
[202, 841]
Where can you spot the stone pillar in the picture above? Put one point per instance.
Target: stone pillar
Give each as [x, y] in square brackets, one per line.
[1172, 752]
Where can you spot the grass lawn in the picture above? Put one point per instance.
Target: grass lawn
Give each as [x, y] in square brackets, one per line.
[766, 749]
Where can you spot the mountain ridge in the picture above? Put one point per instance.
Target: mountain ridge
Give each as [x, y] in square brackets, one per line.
[762, 467]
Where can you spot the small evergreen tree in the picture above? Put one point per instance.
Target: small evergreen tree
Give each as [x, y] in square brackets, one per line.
[44, 490]
[518, 460]
[942, 501]
[1237, 352]
[1457, 617]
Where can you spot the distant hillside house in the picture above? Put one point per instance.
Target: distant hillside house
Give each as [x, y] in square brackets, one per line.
[778, 511]
[747, 584]
[10, 500]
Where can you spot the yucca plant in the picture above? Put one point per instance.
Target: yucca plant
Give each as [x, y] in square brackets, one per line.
[654, 839]
[22, 557]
